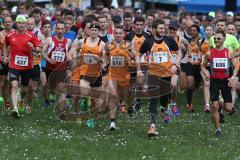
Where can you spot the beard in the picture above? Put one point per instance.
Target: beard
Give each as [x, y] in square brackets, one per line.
[158, 35]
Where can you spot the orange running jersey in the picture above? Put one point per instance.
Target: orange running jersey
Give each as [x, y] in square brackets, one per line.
[194, 52]
[137, 42]
[160, 60]
[119, 58]
[90, 60]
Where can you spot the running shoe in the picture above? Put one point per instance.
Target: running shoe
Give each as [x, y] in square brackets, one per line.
[130, 110]
[218, 132]
[234, 110]
[28, 110]
[152, 131]
[175, 110]
[47, 103]
[138, 107]
[190, 108]
[207, 109]
[15, 113]
[21, 105]
[7, 105]
[166, 118]
[112, 126]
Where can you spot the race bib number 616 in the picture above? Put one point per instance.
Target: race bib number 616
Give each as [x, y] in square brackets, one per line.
[117, 61]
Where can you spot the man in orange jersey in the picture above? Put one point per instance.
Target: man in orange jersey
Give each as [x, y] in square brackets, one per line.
[160, 71]
[193, 66]
[87, 60]
[139, 39]
[118, 53]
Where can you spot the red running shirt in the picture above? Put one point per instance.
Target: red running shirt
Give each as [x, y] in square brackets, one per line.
[58, 52]
[20, 54]
[220, 63]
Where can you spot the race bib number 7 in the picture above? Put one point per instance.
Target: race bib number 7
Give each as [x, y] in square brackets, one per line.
[117, 61]
[220, 63]
[58, 56]
[21, 61]
[160, 57]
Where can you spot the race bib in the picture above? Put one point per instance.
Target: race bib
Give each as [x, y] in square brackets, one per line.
[21, 61]
[173, 58]
[220, 63]
[58, 56]
[117, 61]
[160, 57]
[195, 58]
[90, 59]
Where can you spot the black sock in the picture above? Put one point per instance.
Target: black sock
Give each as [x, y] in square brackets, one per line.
[189, 96]
[112, 120]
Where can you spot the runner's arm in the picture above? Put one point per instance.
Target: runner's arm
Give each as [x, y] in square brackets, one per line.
[136, 56]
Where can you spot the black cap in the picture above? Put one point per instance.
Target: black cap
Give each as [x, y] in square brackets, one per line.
[209, 18]
[117, 19]
[174, 25]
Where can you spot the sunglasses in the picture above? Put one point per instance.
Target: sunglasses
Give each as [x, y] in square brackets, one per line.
[217, 39]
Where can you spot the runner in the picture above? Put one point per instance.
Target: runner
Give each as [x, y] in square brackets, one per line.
[35, 73]
[90, 53]
[4, 84]
[75, 77]
[46, 33]
[230, 43]
[56, 49]
[118, 53]
[139, 39]
[21, 44]
[193, 67]
[160, 72]
[204, 48]
[182, 44]
[220, 59]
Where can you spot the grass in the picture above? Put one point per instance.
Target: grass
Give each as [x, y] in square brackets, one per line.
[189, 137]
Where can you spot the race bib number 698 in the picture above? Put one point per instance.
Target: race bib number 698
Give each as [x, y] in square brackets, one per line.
[220, 63]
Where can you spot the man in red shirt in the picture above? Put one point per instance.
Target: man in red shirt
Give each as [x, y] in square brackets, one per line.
[56, 49]
[21, 45]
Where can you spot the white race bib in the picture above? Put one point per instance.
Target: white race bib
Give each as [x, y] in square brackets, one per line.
[160, 57]
[195, 58]
[117, 61]
[220, 63]
[90, 59]
[173, 58]
[21, 61]
[58, 56]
